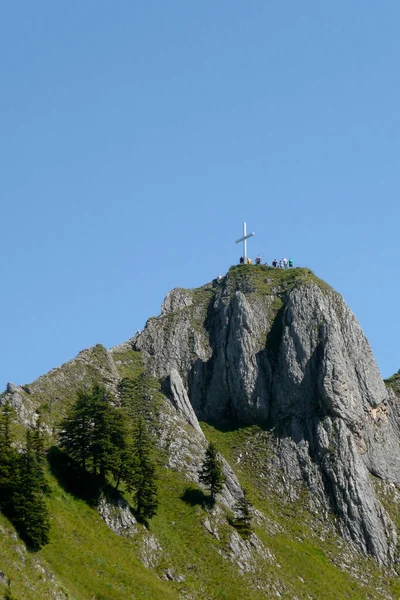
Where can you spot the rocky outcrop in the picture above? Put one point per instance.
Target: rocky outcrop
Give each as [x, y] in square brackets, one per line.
[26, 408]
[283, 350]
[175, 300]
[184, 444]
[176, 392]
[117, 515]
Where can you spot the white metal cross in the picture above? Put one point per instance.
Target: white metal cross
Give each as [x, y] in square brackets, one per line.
[244, 239]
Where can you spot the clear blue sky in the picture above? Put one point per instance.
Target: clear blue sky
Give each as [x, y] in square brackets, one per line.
[137, 136]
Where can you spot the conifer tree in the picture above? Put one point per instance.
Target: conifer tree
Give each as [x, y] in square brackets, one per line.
[141, 478]
[93, 433]
[39, 450]
[107, 434]
[75, 435]
[8, 459]
[211, 473]
[30, 514]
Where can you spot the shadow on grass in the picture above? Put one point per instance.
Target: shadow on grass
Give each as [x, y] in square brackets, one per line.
[84, 485]
[225, 425]
[195, 496]
[75, 480]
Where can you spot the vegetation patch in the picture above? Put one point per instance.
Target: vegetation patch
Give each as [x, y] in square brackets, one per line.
[266, 280]
[129, 363]
[393, 382]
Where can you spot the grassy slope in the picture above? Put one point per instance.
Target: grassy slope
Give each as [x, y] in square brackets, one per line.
[88, 560]
[91, 562]
[303, 548]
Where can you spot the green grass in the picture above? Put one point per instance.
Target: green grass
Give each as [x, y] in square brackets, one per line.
[266, 280]
[303, 546]
[194, 552]
[90, 562]
[87, 559]
[129, 363]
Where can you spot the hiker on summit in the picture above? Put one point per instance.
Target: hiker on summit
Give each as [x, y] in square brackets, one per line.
[285, 263]
[275, 263]
[290, 263]
[241, 260]
[258, 260]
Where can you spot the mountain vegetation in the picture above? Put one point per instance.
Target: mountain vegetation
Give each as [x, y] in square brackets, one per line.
[242, 446]
[211, 473]
[22, 482]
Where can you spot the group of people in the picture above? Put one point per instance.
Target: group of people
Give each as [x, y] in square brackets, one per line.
[284, 263]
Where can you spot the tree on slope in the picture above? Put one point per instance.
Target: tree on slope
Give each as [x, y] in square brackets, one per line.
[8, 459]
[22, 482]
[29, 511]
[211, 473]
[140, 472]
[108, 433]
[93, 433]
[75, 434]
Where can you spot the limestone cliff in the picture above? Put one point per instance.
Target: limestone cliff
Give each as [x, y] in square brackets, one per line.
[282, 349]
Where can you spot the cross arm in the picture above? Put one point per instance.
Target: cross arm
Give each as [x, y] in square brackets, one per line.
[244, 238]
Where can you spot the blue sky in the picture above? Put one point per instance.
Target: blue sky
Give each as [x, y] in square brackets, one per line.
[136, 137]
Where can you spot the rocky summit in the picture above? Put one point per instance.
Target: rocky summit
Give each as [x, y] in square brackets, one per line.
[273, 368]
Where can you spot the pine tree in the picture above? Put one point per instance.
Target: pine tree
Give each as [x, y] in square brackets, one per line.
[211, 473]
[94, 432]
[75, 434]
[38, 447]
[242, 522]
[107, 434]
[30, 514]
[141, 478]
[8, 459]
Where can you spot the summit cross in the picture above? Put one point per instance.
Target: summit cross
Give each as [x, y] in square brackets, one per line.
[244, 240]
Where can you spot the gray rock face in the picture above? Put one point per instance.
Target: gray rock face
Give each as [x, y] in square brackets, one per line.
[177, 393]
[117, 517]
[289, 354]
[175, 300]
[25, 407]
[185, 446]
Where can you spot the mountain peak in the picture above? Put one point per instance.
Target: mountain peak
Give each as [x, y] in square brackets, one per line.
[280, 348]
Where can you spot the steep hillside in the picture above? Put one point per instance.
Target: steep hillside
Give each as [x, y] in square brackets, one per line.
[276, 369]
